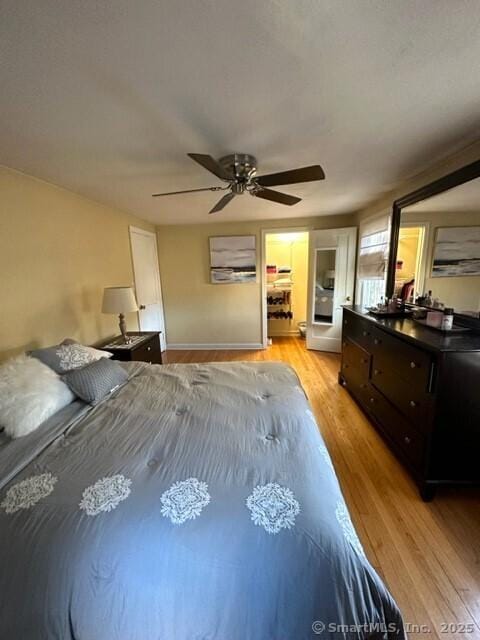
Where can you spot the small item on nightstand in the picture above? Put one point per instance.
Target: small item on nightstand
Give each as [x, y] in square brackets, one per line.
[447, 320]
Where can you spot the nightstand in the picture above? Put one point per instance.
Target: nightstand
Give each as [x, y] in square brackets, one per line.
[145, 347]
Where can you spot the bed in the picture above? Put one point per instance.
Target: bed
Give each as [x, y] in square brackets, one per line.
[196, 502]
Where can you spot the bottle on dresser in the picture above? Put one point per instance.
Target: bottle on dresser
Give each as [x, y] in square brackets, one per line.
[428, 299]
[447, 320]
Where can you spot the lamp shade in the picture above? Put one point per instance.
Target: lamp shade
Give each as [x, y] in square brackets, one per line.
[119, 300]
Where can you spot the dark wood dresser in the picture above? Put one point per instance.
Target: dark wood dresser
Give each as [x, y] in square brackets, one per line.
[421, 390]
[145, 347]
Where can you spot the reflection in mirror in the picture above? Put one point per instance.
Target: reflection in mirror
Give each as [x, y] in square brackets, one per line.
[324, 285]
[438, 257]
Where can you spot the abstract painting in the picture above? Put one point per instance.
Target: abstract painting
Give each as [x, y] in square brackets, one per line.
[456, 252]
[232, 259]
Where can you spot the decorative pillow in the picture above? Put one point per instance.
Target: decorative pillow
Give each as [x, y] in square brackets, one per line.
[95, 381]
[68, 355]
[30, 392]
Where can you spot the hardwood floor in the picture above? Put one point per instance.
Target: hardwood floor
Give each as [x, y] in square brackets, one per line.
[428, 554]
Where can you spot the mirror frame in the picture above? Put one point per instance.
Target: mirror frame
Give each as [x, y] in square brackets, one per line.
[454, 179]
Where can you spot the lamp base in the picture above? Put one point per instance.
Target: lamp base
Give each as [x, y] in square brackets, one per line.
[123, 328]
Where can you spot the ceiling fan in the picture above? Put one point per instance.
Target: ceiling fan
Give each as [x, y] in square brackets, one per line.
[239, 171]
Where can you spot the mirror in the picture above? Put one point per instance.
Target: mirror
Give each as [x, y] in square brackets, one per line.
[437, 258]
[324, 285]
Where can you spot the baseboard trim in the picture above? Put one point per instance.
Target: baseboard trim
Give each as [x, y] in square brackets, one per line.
[214, 347]
[284, 334]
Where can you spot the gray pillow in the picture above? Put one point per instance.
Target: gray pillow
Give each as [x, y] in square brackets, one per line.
[96, 380]
[68, 355]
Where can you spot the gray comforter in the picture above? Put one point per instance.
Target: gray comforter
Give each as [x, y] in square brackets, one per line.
[199, 502]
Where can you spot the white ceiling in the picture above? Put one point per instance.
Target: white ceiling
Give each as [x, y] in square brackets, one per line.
[106, 98]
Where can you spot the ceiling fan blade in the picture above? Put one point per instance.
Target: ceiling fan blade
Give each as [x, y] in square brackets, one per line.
[276, 196]
[210, 164]
[174, 193]
[304, 174]
[222, 202]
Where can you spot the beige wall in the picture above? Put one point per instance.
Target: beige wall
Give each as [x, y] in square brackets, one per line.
[57, 252]
[197, 312]
[461, 293]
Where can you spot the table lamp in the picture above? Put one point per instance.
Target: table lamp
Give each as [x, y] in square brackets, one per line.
[119, 300]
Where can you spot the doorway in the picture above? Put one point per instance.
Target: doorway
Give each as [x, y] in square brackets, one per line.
[411, 262]
[147, 282]
[331, 283]
[307, 276]
[286, 282]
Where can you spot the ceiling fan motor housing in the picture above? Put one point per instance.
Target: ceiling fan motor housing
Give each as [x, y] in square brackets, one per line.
[241, 166]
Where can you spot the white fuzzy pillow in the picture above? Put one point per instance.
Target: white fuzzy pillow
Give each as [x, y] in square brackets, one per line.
[30, 392]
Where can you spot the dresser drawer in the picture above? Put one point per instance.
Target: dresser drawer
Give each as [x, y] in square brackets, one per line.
[356, 328]
[148, 352]
[412, 402]
[396, 427]
[354, 357]
[412, 364]
[356, 383]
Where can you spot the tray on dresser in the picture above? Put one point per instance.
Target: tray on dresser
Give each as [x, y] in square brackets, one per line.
[389, 314]
[455, 329]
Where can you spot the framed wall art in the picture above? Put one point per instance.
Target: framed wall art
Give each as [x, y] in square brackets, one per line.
[233, 259]
[456, 252]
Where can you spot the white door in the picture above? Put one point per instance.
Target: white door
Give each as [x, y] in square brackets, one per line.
[331, 281]
[147, 282]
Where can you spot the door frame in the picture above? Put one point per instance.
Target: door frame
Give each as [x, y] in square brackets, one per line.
[151, 234]
[351, 257]
[424, 251]
[263, 275]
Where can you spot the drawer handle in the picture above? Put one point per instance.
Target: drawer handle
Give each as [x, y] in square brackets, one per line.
[413, 404]
[377, 341]
[413, 365]
[149, 348]
[363, 385]
[407, 440]
[365, 333]
[376, 372]
[345, 366]
[372, 400]
[364, 361]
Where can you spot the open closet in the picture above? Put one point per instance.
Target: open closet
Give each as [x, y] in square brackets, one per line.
[286, 282]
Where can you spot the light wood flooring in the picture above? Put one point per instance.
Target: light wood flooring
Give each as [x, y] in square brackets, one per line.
[428, 554]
